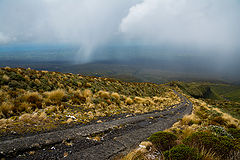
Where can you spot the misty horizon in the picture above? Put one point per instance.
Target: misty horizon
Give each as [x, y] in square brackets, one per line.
[199, 35]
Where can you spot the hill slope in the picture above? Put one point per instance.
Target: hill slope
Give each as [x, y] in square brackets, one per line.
[32, 102]
[42, 100]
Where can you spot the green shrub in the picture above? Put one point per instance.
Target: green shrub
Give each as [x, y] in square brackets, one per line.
[182, 152]
[211, 142]
[16, 84]
[234, 132]
[163, 140]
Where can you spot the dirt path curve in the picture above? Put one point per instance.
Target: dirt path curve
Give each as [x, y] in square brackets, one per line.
[117, 136]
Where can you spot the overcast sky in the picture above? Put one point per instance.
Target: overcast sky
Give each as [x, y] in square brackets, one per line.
[203, 24]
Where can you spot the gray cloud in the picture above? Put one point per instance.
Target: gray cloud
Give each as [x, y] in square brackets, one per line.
[203, 24]
[209, 24]
[4, 39]
[87, 23]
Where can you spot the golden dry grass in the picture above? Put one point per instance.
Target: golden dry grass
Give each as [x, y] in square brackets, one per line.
[26, 117]
[140, 153]
[42, 116]
[208, 154]
[37, 81]
[31, 97]
[115, 95]
[24, 107]
[87, 93]
[137, 154]
[189, 119]
[56, 95]
[139, 100]
[104, 94]
[230, 120]
[7, 108]
[5, 77]
[129, 101]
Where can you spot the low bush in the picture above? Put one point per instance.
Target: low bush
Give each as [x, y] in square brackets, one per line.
[234, 132]
[182, 152]
[211, 142]
[163, 140]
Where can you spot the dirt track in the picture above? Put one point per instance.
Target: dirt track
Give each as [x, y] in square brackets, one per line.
[117, 137]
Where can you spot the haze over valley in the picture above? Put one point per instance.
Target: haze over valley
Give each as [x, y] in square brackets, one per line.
[192, 40]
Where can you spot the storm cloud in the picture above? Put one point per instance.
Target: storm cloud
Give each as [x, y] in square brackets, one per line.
[87, 23]
[202, 24]
[212, 24]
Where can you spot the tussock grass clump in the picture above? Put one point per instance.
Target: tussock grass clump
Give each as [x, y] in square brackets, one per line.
[5, 77]
[4, 96]
[104, 94]
[7, 108]
[116, 96]
[139, 100]
[87, 93]
[42, 116]
[24, 106]
[26, 117]
[56, 95]
[37, 81]
[50, 109]
[129, 101]
[3, 122]
[208, 154]
[190, 119]
[77, 97]
[139, 153]
[69, 120]
[231, 121]
[188, 130]
[31, 97]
